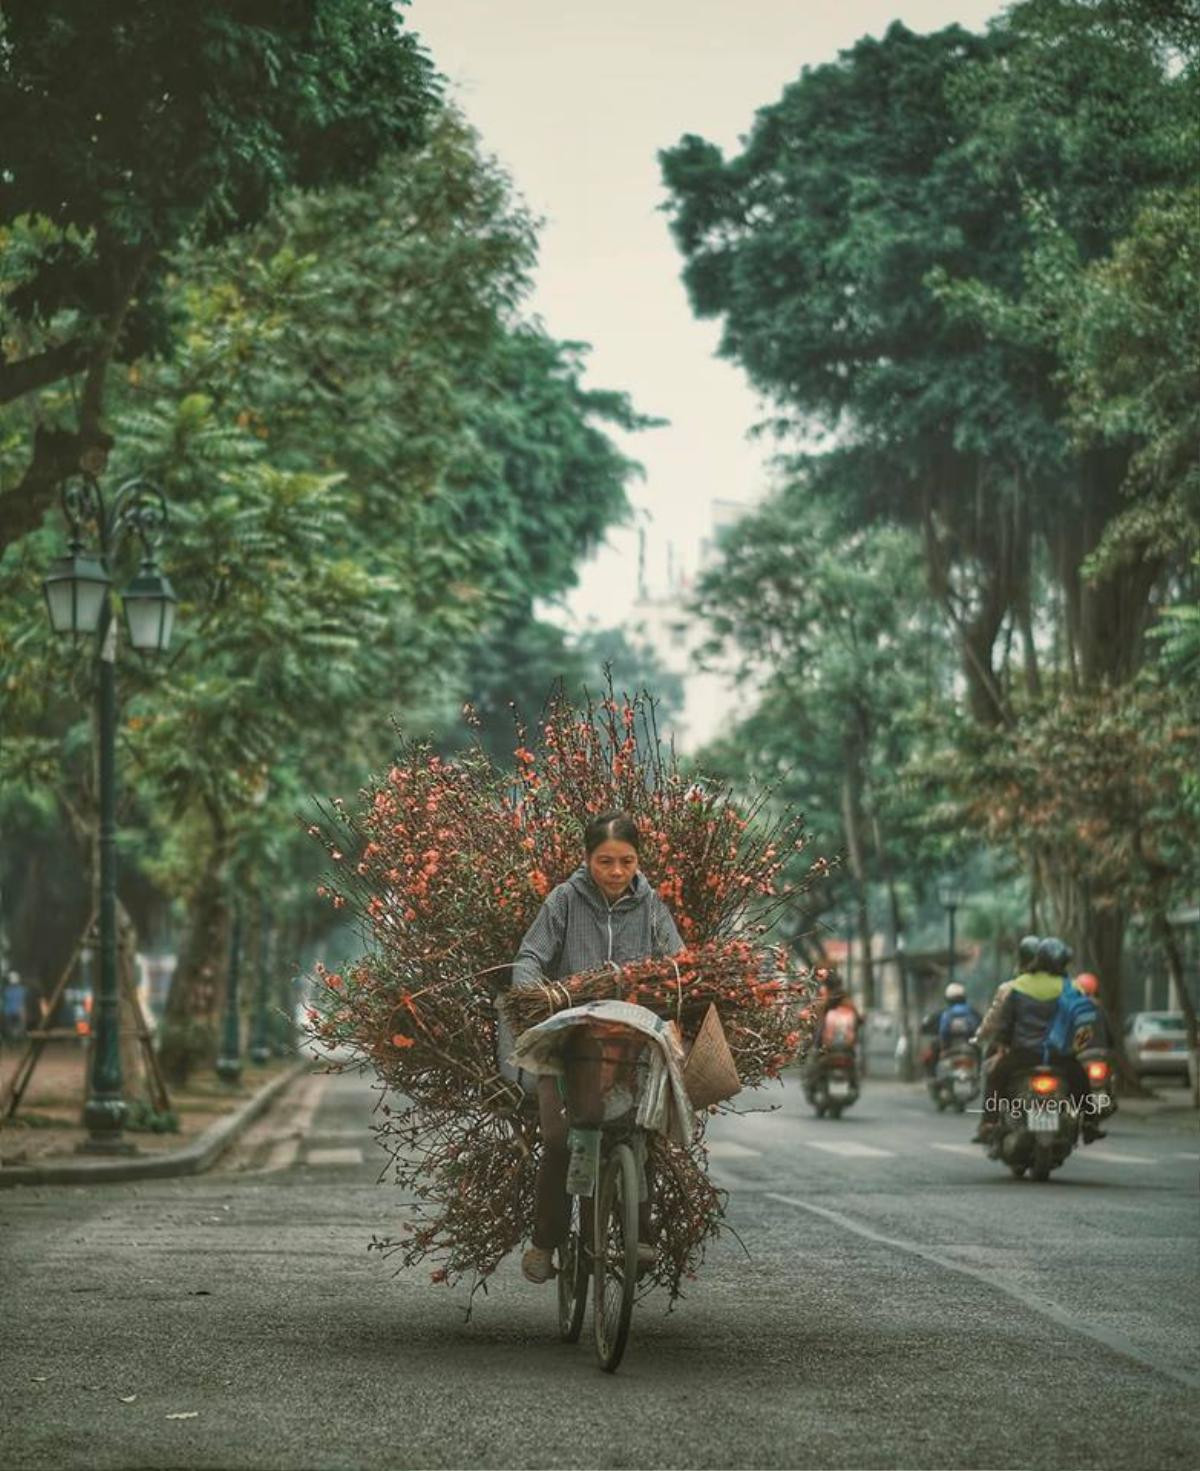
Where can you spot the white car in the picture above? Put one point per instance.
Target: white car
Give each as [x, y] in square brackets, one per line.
[1156, 1042]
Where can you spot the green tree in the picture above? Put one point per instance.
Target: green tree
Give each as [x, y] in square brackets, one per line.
[827, 247]
[367, 457]
[131, 126]
[1094, 785]
[828, 617]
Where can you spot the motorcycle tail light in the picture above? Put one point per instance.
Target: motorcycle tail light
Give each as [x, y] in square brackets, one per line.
[1097, 1071]
[840, 1060]
[1043, 1083]
[963, 1062]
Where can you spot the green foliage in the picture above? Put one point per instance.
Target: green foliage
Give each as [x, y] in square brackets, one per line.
[826, 247]
[829, 619]
[129, 126]
[971, 262]
[514, 669]
[142, 1117]
[371, 463]
[1093, 784]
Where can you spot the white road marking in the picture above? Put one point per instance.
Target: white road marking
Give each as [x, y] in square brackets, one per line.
[1116, 1342]
[334, 1157]
[972, 1149]
[730, 1149]
[849, 1149]
[1106, 1157]
[1181, 1154]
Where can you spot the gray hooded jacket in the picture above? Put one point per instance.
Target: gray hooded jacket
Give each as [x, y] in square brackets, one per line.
[578, 929]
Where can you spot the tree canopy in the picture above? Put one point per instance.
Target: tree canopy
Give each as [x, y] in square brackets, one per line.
[132, 126]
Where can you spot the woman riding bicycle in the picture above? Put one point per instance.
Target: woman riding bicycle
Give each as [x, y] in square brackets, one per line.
[605, 912]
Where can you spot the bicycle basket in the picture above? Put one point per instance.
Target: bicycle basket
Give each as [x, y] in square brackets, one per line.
[604, 1069]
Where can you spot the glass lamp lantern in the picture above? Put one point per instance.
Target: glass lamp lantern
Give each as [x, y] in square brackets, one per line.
[950, 894]
[149, 603]
[75, 589]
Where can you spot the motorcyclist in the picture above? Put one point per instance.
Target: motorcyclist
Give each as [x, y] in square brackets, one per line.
[1089, 984]
[831, 996]
[1026, 1013]
[1027, 950]
[958, 1021]
[930, 1026]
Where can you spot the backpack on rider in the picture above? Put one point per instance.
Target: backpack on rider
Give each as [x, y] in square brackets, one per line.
[959, 1018]
[840, 1028]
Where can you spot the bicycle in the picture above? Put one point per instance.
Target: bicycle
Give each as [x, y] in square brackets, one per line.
[602, 1082]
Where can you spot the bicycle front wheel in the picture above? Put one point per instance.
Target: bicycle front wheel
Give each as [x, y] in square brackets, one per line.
[614, 1268]
[572, 1261]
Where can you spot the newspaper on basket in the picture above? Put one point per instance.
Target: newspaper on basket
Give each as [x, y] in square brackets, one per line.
[664, 1105]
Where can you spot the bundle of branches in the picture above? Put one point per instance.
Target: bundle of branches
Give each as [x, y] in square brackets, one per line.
[759, 1006]
[445, 864]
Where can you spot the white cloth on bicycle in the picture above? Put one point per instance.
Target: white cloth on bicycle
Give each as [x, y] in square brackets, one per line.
[664, 1105]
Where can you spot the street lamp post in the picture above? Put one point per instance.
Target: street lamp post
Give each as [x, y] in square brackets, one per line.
[951, 896]
[78, 592]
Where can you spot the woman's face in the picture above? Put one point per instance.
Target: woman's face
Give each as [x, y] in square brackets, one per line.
[612, 866]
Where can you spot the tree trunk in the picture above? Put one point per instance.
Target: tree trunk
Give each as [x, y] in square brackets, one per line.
[1165, 935]
[854, 826]
[133, 1068]
[193, 1001]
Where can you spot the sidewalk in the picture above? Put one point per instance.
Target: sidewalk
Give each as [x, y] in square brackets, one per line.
[38, 1145]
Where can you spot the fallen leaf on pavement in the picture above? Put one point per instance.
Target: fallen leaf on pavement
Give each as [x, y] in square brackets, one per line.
[128, 1399]
[38, 1378]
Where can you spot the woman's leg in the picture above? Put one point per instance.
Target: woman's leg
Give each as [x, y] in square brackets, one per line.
[551, 1207]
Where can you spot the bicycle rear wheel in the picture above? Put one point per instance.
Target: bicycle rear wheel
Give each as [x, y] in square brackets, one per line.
[572, 1261]
[615, 1258]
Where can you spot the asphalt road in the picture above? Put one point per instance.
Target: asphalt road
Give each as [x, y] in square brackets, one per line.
[899, 1302]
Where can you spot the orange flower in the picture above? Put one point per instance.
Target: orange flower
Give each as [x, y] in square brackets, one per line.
[400, 1040]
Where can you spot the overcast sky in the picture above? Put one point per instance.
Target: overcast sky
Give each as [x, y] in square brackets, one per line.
[576, 97]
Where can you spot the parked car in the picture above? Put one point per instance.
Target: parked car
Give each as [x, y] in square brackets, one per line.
[1156, 1042]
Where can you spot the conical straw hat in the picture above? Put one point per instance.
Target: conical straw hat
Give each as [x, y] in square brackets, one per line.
[709, 1072]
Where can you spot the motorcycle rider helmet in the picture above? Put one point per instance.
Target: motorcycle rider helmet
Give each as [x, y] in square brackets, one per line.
[1053, 956]
[1027, 951]
[955, 992]
[1086, 982]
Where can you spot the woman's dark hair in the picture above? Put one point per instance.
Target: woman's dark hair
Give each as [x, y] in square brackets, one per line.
[611, 825]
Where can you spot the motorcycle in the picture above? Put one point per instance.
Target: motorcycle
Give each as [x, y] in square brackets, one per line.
[1037, 1126]
[955, 1080]
[832, 1083]
[1097, 1063]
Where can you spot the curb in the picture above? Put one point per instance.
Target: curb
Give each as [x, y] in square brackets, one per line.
[192, 1159]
